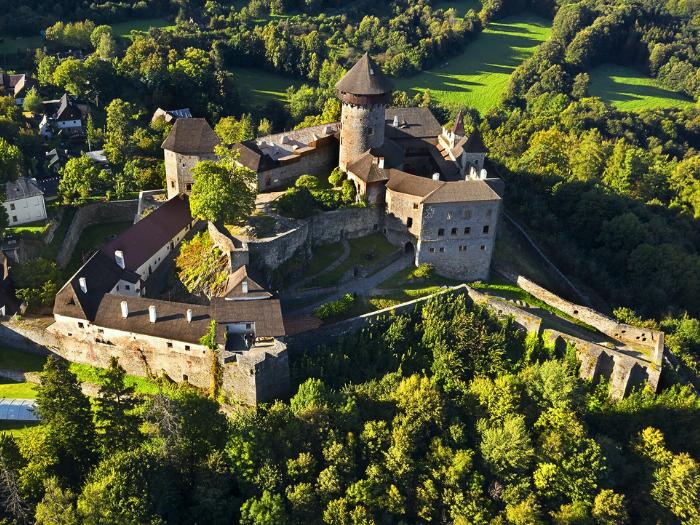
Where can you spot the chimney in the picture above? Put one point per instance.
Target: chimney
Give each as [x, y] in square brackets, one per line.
[125, 309]
[189, 315]
[152, 315]
[119, 258]
[381, 162]
[436, 176]
[395, 123]
[83, 284]
[244, 287]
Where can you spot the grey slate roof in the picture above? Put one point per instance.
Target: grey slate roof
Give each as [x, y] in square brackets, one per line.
[413, 123]
[365, 78]
[191, 136]
[22, 188]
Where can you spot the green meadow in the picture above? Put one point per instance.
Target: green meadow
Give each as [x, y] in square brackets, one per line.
[123, 29]
[630, 90]
[479, 76]
[258, 86]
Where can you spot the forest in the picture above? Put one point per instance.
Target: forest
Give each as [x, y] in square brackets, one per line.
[445, 415]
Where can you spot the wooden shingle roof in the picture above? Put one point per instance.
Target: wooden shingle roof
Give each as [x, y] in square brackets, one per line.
[365, 78]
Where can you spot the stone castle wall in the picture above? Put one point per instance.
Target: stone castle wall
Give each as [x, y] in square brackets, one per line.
[323, 228]
[319, 163]
[622, 371]
[98, 212]
[653, 340]
[256, 376]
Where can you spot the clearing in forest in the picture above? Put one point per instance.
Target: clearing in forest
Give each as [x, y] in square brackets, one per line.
[479, 76]
[630, 90]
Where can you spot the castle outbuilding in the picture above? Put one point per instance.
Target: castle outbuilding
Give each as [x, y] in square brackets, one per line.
[191, 140]
[441, 202]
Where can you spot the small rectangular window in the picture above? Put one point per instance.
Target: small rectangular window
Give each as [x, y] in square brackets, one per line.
[14, 218]
[127, 287]
[189, 187]
[415, 205]
[172, 183]
[432, 250]
[454, 231]
[467, 230]
[486, 229]
[12, 206]
[409, 222]
[441, 232]
[442, 250]
[449, 215]
[187, 347]
[81, 325]
[467, 213]
[248, 326]
[483, 247]
[170, 345]
[100, 331]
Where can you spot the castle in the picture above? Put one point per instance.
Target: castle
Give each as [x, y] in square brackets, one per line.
[430, 194]
[439, 200]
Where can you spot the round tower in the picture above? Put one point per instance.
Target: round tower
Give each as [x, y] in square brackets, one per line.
[364, 92]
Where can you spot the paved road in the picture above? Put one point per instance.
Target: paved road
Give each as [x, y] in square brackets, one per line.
[360, 286]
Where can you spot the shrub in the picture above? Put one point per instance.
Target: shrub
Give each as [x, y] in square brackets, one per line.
[424, 271]
[335, 308]
[297, 203]
[327, 199]
[349, 192]
[336, 177]
[307, 181]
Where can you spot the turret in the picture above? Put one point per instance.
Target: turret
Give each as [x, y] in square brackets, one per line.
[364, 92]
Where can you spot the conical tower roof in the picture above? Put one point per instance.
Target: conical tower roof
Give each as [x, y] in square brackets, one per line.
[365, 78]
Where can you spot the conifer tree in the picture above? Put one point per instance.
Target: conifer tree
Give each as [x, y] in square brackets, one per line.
[117, 425]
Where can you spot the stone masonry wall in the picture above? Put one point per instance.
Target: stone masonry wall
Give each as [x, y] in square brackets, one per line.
[650, 339]
[361, 128]
[98, 212]
[622, 371]
[246, 380]
[318, 163]
[466, 253]
[320, 229]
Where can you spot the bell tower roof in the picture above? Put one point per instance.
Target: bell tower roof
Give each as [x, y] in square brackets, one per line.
[365, 78]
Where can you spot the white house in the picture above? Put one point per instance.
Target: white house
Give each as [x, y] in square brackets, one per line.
[24, 201]
[62, 114]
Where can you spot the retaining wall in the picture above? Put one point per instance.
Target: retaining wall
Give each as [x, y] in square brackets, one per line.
[95, 213]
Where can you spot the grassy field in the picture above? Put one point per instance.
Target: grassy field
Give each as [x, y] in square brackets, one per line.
[630, 90]
[259, 87]
[15, 360]
[462, 6]
[32, 229]
[123, 29]
[363, 251]
[323, 257]
[479, 76]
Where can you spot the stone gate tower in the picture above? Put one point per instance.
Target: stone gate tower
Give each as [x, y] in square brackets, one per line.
[365, 92]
